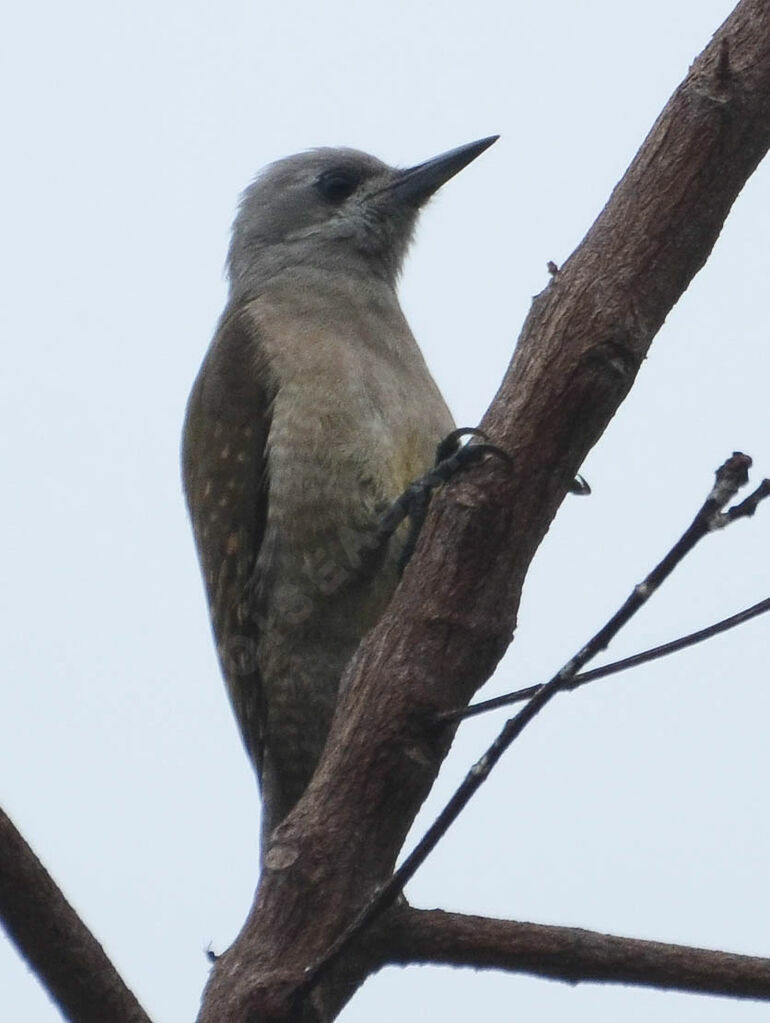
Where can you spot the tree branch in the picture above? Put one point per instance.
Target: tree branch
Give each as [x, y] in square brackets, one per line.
[66, 957]
[643, 657]
[712, 515]
[454, 613]
[572, 954]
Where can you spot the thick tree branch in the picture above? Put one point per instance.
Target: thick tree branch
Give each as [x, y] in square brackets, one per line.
[572, 954]
[66, 957]
[455, 611]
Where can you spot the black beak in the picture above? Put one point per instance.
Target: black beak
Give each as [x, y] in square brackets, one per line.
[417, 184]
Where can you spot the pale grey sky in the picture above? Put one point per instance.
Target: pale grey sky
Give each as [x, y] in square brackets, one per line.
[636, 806]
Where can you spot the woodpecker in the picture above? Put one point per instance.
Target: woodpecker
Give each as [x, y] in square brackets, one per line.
[313, 410]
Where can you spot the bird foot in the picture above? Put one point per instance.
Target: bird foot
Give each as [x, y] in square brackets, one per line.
[451, 458]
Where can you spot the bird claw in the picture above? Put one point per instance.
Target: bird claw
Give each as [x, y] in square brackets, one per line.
[451, 457]
[580, 486]
[451, 443]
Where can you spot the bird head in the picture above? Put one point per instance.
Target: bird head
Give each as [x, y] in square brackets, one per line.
[336, 209]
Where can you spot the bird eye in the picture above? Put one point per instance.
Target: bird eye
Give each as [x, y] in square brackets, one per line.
[336, 185]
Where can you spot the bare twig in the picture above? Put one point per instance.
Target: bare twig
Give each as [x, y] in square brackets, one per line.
[66, 957]
[506, 699]
[730, 476]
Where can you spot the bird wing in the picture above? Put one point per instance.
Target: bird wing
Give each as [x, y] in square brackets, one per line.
[225, 480]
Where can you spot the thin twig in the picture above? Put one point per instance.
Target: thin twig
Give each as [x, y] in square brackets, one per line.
[674, 646]
[732, 475]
